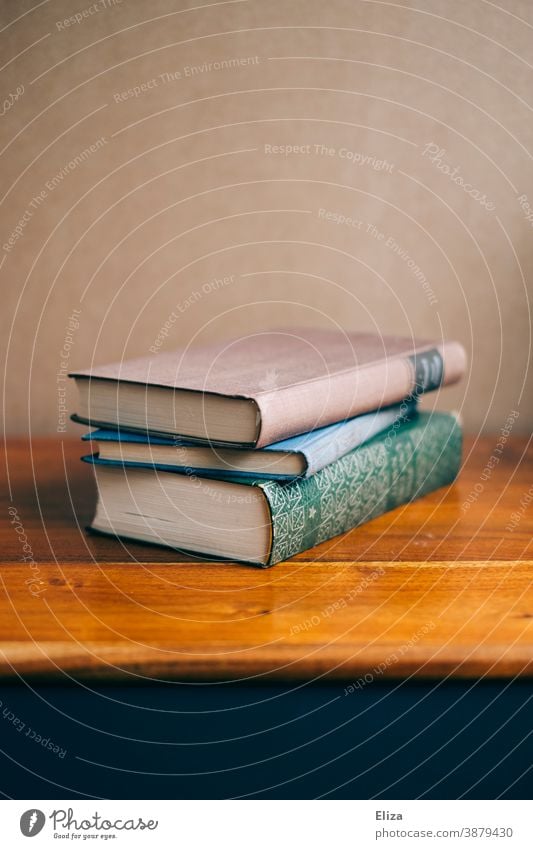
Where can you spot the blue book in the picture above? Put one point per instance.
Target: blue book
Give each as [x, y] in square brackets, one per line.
[266, 521]
[299, 456]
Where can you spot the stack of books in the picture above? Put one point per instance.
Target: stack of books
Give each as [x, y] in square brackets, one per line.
[263, 446]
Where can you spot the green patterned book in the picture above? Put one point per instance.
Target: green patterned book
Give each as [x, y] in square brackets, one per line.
[264, 522]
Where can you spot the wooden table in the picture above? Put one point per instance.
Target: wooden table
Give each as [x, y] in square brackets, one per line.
[439, 588]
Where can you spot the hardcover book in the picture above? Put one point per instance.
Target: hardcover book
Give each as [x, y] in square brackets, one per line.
[263, 522]
[267, 387]
[298, 456]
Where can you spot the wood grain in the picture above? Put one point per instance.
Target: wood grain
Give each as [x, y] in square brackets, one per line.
[441, 587]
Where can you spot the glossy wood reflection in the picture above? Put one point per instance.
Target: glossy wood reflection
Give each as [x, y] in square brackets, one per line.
[440, 587]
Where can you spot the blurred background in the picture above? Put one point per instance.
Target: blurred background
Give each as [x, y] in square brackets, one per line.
[179, 172]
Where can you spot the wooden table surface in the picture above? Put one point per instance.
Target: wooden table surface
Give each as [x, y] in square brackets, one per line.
[438, 588]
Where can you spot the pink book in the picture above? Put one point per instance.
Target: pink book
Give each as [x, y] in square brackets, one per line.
[261, 388]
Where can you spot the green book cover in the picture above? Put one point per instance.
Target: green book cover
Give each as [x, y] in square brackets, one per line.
[395, 467]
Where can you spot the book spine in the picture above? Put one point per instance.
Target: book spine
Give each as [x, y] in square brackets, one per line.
[390, 470]
[299, 408]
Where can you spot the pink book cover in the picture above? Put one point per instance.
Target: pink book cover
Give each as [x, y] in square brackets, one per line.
[300, 379]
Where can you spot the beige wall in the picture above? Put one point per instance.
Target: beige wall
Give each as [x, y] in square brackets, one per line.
[183, 188]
